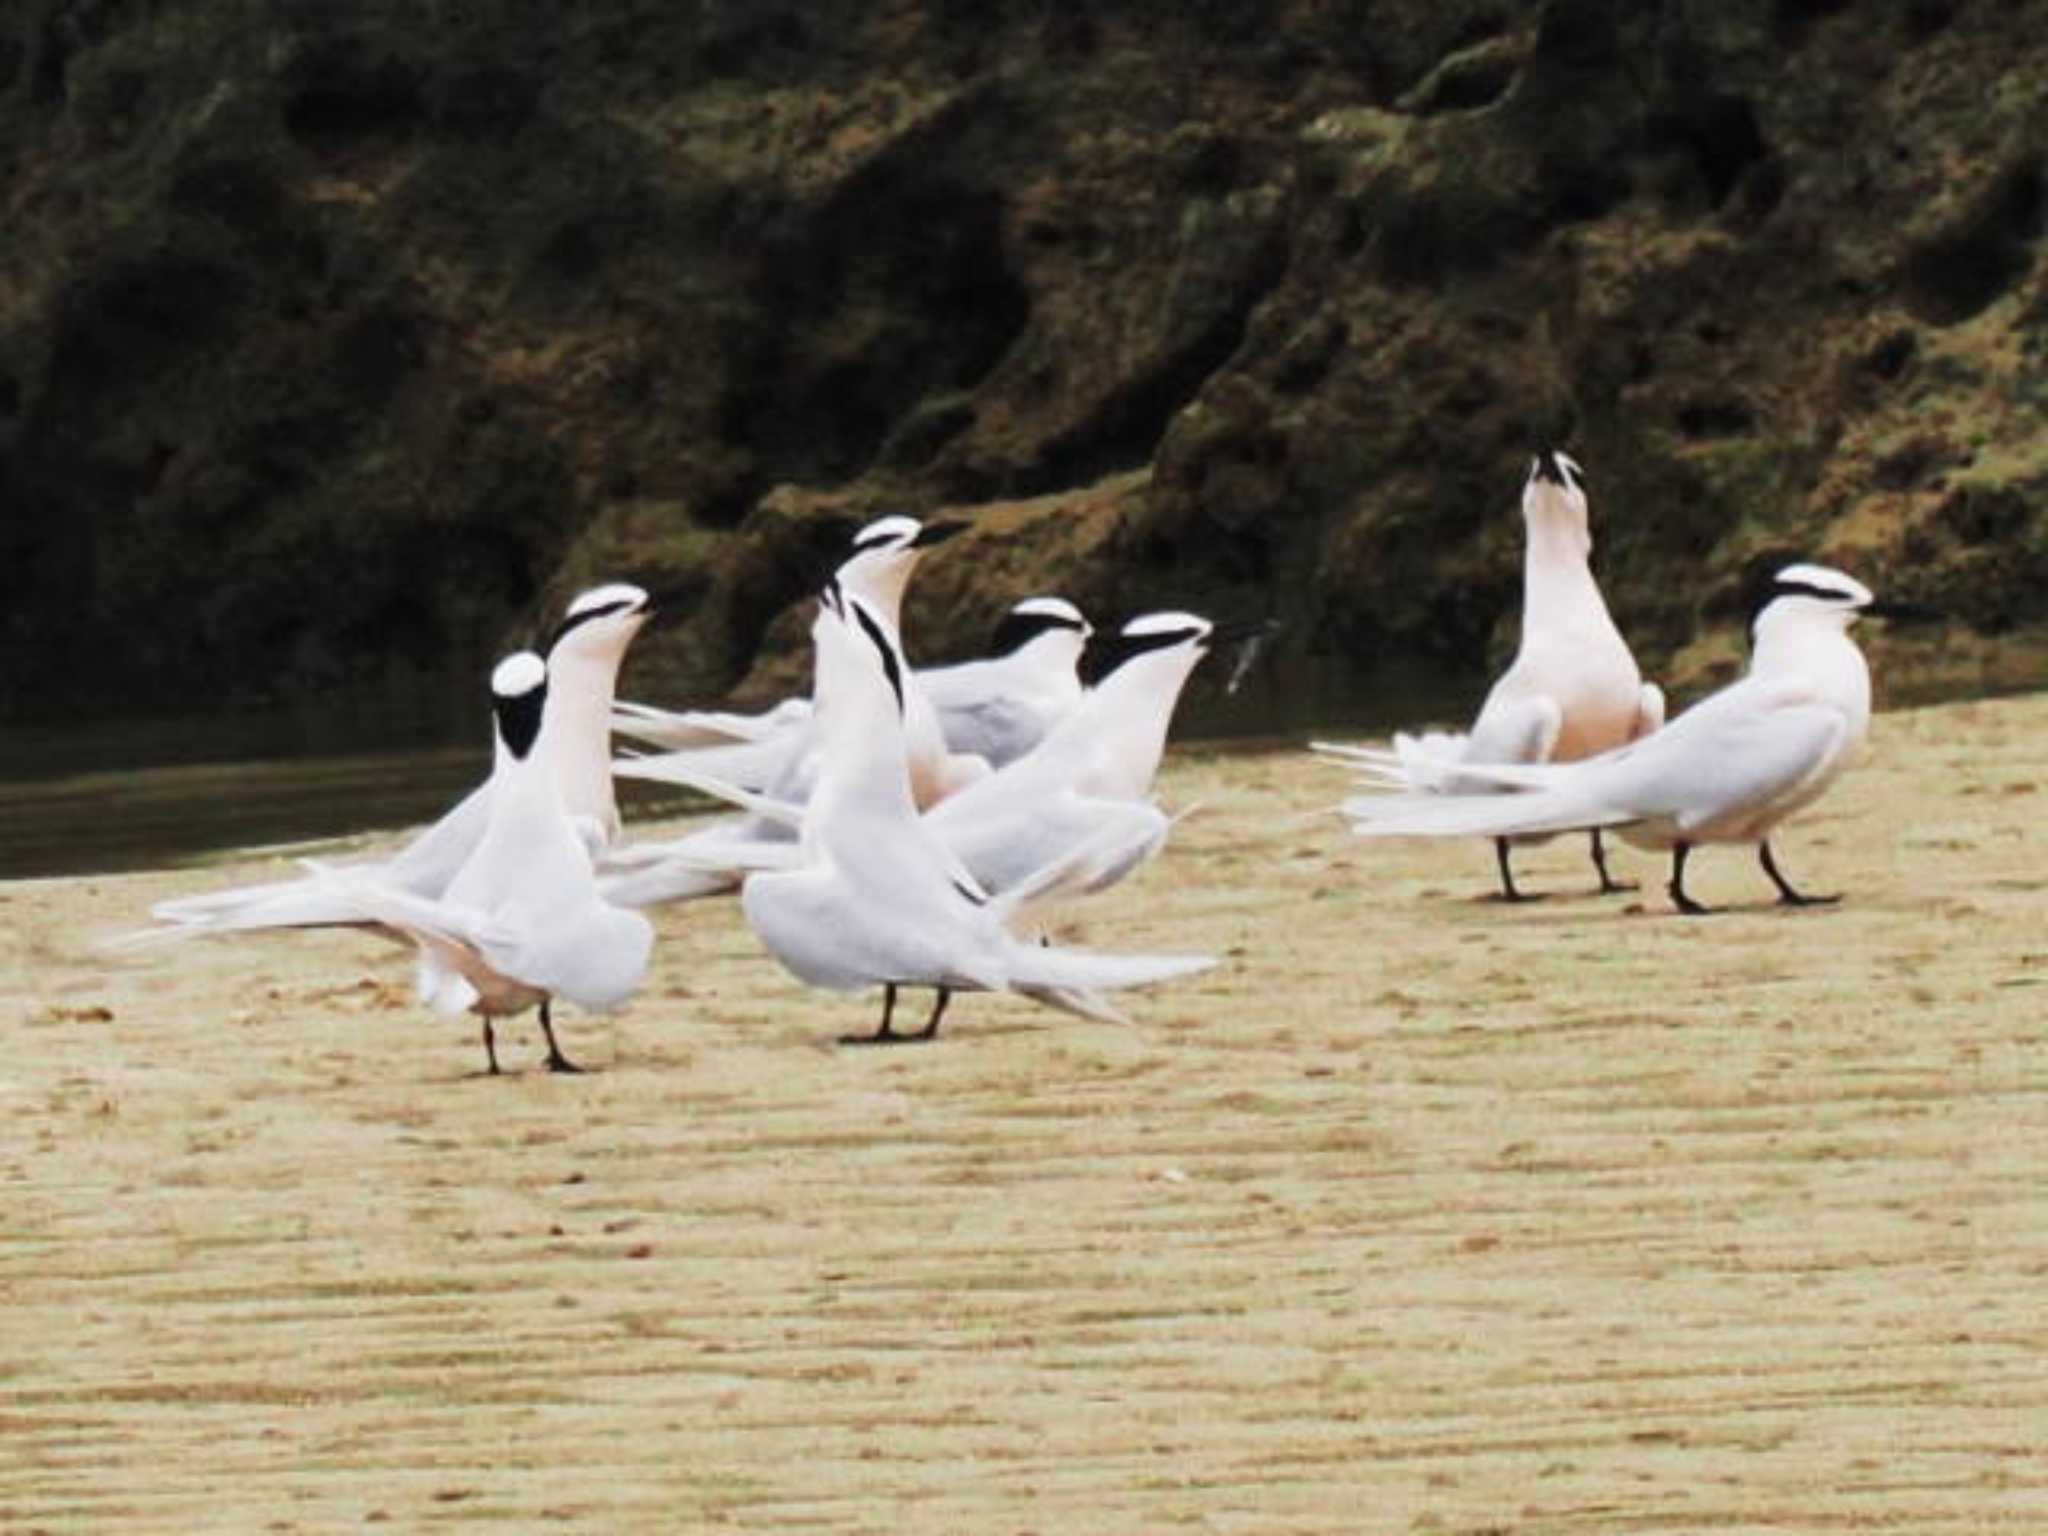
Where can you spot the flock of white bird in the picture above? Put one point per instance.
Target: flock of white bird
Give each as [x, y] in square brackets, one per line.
[896, 828]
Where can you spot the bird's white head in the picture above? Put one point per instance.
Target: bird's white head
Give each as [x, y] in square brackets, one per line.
[1813, 592]
[1038, 618]
[1183, 638]
[600, 623]
[1554, 498]
[519, 694]
[885, 552]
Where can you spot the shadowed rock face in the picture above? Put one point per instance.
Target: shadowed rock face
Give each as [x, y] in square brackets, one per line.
[336, 344]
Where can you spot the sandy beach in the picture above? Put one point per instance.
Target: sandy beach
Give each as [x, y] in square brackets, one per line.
[1419, 1213]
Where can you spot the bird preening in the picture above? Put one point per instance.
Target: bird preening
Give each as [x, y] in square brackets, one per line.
[1731, 769]
[1573, 689]
[898, 828]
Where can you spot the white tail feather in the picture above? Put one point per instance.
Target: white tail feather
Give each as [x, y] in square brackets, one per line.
[684, 730]
[748, 764]
[1071, 971]
[686, 772]
[1428, 814]
[1089, 1005]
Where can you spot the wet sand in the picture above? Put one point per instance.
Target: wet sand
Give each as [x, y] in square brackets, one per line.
[1420, 1213]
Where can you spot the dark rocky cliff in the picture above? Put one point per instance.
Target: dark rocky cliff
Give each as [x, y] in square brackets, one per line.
[336, 340]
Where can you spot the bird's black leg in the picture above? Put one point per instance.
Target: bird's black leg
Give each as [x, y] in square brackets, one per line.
[557, 1062]
[1685, 904]
[883, 1035]
[1786, 895]
[491, 1047]
[1609, 886]
[931, 1026]
[1507, 876]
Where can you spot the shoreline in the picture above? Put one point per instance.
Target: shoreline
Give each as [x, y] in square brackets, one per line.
[1575, 1216]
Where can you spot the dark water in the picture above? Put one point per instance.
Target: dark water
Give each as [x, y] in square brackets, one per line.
[123, 789]
[129, 793]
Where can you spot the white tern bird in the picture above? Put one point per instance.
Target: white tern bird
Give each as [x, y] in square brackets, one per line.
[1728, 770]
[780, 757]
[996, 708]
[1087, 785]
[1094, 772]
[1573, 689]
[1000, 707]
[877, 900]
[584, 655]
[521, 923]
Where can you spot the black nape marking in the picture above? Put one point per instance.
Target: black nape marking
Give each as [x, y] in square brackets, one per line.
[1549, 469]
[970, 893]
[1112, 651]
[577, 620]
[890, 668]
[1018, 630]
[831, 597]
[519, 717]
[880, 540]
[1783, 588]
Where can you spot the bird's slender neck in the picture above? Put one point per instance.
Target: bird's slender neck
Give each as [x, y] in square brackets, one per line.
[864, 772]
[576, 733]
[521, 782]
[881, 589]
[1818, 648]
[1557, 579]
[1558, 538]
[1129, 714]
[1049, 660]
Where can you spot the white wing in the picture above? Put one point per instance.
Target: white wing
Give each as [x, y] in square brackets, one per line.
[1096, 841]
[1741, 751]
[688, 729]
[999, 728]
[1515, 728]
[748, 764]
[1649, 713]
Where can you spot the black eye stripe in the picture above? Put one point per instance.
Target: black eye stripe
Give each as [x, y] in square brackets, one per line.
[880, 540]
[1808, 589]
[1018, 629]
[575, 620]
[1118, 649]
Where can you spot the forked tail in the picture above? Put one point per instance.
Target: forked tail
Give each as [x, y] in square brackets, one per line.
[1036, 968]
[1428, 814]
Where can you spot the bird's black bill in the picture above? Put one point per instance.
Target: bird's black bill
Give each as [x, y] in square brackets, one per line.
[937, 533]
[678, 598]
[1903, 613]
[1243, 630]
